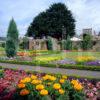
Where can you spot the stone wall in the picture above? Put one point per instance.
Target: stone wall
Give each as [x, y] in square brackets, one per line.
[55, 44]
[41, 44]
[37, 44]
[96, 47]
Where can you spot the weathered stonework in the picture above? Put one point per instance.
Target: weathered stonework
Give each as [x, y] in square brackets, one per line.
[41, 44]
[37, 44]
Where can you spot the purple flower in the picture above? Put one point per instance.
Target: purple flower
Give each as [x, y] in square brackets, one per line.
[65, 61]
[94, 63]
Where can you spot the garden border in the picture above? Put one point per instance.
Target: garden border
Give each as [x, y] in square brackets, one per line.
[75, 76]
[66, 66]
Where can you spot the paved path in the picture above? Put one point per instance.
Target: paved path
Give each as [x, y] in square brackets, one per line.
[83, 73]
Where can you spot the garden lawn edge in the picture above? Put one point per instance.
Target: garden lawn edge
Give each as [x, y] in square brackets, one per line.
[75, 76]
[66, 66]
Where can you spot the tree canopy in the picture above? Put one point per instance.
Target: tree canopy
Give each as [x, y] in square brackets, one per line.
[51, 21]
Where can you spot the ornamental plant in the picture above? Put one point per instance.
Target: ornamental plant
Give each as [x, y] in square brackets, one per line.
[87, 42]
[70, 86]
[49, 58]
[12, 39]
[67, 44]
[48, 87]
[49, 43]
[82, 59]
[10, 48]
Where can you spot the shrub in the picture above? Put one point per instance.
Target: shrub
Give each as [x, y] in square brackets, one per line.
[10, 48]
[67, 44]
[87, 42]
[3, 45]
[49, 43]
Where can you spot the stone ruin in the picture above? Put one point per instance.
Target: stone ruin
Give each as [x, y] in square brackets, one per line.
[41, 44]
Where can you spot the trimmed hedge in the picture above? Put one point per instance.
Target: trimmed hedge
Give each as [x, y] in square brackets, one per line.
[66, 66]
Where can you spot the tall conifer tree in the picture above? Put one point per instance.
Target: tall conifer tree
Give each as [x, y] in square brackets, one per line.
[12, 39]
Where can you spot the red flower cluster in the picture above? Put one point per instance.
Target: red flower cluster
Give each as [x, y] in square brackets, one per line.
[8, 83]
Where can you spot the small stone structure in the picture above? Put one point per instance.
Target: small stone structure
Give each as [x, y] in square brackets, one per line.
[41, 44]
[37, 44]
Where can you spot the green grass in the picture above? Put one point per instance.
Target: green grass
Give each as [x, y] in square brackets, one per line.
[2, 49]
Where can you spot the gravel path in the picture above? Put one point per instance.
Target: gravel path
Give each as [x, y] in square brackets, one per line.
[82, 73]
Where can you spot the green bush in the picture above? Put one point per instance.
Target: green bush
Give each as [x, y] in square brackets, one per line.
[87, 42]
[3, 45]
[67, 44]
[49, 43]
[10, 48]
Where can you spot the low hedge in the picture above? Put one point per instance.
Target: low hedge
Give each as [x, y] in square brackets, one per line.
[66, 66]
[74, 76]
[81, 67]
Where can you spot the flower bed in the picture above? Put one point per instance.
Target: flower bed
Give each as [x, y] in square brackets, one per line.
[83, 59]
[33, 53]
[19, 85]
[49, 87]
[54, 65]
[8, 82]
[80, 60]
[49, 58]
[93, 63]
[65, 61]
[59, 59]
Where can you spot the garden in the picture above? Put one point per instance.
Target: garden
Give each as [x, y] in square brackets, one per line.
[20, 85]
[62, 59]
[51, 69]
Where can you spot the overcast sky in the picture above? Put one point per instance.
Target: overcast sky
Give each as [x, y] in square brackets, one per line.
[86, 13]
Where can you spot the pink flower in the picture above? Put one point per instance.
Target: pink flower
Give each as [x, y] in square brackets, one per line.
[90, 85]
[98, 85]
[94, 89]
[90, 94]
